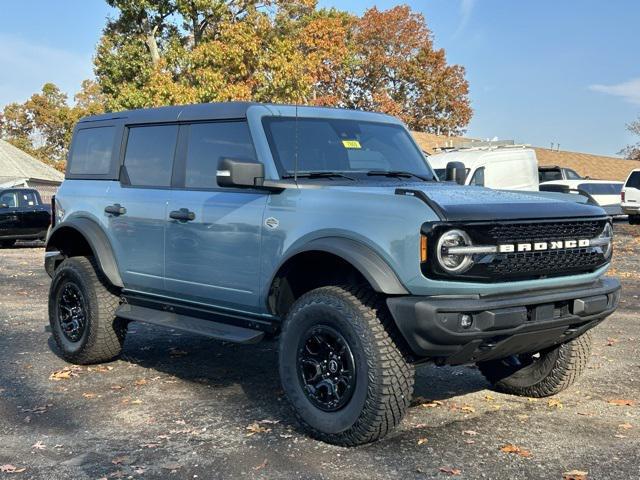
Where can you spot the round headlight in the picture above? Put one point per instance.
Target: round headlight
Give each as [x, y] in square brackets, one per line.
[607, 234]
[454, 262]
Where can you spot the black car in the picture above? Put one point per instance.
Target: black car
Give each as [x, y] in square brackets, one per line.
[23, 216]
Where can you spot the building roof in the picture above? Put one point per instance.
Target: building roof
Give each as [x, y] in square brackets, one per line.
[16, 164]
[588, 165]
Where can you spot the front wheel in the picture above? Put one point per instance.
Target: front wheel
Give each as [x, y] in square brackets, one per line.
[540, 374]
[347, 380]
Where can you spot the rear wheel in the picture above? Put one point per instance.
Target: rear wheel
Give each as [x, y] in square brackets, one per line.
[345, 377]
[7, 243]
[82, 313]
[540, 374]
[634, 219]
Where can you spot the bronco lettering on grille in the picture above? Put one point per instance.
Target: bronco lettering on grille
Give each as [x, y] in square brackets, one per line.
[542, 246]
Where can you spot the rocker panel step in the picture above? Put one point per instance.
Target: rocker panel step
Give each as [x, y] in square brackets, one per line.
[208, 328]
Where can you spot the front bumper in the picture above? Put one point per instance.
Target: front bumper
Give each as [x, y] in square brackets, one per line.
[502, 325]
[628, 209]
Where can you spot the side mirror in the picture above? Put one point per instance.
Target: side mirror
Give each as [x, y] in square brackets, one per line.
[239, 173]
[456, 173]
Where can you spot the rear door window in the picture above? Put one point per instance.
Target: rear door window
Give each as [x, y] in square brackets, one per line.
[28, 199]
[149, 155]
[634, 181]
[211, 142]
[601, 188]
[549, 175]
[92, 151]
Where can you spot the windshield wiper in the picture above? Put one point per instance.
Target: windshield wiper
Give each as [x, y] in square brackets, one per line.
[396, 174]
[319, 175]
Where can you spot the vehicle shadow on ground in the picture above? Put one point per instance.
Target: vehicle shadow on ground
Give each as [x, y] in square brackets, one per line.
[212, 366]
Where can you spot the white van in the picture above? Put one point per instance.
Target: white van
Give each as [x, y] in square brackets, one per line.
[503, 167]
[631, 197]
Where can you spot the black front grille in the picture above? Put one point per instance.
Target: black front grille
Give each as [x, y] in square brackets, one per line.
[545, 263]
[498, 267]
[522, 232]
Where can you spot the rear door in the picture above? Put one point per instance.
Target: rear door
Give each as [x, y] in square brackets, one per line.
[137, 208]
[213, 258]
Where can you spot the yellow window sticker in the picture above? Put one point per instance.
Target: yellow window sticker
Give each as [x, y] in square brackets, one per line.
[351, 144]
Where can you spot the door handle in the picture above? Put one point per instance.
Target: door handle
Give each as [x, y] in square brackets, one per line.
[115, 209]
[182, 215]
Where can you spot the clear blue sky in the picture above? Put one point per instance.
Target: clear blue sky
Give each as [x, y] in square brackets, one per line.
[541, 71]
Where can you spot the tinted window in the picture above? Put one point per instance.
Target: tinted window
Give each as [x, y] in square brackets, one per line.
[91, 152]
[601, 188]
[322, 144]
[10, 199]
[149, 155]
[634, 180]
[549, 175]
[211, 142]
[28, 199]
[478, 177]
[572, 174]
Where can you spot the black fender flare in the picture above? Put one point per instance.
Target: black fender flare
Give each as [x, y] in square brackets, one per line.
[97, 240]
[372, 266]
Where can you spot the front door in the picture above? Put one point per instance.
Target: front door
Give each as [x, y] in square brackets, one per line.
[9, 213]
[213, 234]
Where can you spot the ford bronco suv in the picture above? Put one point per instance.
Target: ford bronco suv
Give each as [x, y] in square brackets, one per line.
[328, 229]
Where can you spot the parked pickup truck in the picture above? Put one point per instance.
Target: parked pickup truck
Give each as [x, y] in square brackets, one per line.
[328, 229]
[23, 216]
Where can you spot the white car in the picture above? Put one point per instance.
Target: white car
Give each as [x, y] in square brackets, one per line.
[631, 197]
[606, 193]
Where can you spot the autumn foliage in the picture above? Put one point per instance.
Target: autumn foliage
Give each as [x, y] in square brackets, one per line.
[164, 52]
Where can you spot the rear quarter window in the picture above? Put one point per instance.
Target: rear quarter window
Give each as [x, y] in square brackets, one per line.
[92, 151]
[634, 180]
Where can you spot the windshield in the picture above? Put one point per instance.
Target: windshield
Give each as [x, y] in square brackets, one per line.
[350, 147]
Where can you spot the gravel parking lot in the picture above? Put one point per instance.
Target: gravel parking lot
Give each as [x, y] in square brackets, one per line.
[184, 407]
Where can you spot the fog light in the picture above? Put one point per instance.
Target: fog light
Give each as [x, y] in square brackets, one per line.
[466, 320]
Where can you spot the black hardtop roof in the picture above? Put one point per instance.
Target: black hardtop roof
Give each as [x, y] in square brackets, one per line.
[188, 113]
[201, 111]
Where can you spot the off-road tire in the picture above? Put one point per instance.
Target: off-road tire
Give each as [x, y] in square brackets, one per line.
[384, 381]
[104, 334]
[556, 370]
[7, 243]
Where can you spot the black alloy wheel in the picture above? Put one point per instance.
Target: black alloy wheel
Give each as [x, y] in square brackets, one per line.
[72, 312]
[326, 368]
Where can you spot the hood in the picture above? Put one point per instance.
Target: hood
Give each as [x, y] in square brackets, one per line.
[469, 203]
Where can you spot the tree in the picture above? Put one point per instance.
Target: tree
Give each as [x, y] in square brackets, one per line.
[632, 152]
[159, 52]
[42, 125]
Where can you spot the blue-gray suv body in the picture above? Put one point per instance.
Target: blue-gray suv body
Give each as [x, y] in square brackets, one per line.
[329, 229]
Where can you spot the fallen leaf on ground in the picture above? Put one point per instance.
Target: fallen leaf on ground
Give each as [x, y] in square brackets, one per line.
[622, 403]
[65, 374]
[38, 446]
[510, 448]
[554, 403]
[450, 471]
[255, 428]
[422, 441]
[625, 426]
[89, 395]
[468, 408]
[11, 469]
[432, 404]
[575, 475]
[139, 383]
[120, 460]
[469, 432]
[117, 387]
[269, 422]
[136, 402]
[262, 465]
